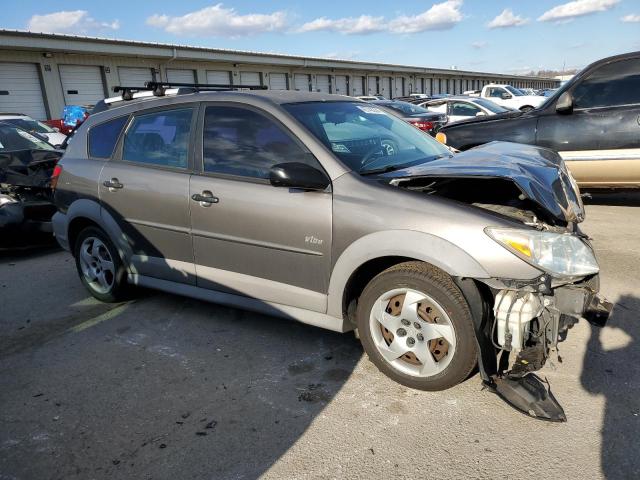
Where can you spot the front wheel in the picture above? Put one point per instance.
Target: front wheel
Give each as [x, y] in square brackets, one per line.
[526, 109]
[416, 327]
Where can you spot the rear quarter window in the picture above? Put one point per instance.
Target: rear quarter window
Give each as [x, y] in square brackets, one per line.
[103, 137]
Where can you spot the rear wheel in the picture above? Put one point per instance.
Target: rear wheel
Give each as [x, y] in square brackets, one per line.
[526, 108]
[99, 265]
[416, 327]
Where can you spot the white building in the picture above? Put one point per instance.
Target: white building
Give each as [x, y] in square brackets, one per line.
[41, 73]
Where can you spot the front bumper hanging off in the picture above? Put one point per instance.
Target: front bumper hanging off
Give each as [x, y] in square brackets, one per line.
[528, 322]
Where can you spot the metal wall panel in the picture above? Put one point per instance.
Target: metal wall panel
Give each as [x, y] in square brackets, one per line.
[20, 90]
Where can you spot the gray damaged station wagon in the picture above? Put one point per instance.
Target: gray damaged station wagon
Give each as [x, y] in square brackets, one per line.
[325, 209]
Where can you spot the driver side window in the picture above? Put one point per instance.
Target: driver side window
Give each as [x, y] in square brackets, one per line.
[496, 92]
[242, 142]
[464, 109]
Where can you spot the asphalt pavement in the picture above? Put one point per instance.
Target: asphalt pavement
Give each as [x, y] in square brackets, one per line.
[165, 387]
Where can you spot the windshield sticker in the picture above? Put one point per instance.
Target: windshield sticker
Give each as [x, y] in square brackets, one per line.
[369, 109]
[28, 136]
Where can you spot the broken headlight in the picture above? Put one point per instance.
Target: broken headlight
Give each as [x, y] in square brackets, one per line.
[560, 254]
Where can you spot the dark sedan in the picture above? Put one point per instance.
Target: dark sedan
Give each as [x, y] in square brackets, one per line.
[26, 166]
[419, 117]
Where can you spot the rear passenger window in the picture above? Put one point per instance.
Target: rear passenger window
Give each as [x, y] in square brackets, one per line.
[160, 138]
[242, 142]
[103, 137]
[614, 84]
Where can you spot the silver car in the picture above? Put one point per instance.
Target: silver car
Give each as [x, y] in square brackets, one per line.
[294, 204]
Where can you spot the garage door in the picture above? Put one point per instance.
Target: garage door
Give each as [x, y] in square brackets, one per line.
[278, 81]
[399, 87]
[134, 76]
[250, 78]
[180, 76]
[373, 85]
[81, 84]
[218, 77]
[385, 87]
[301, 82]
[323, 83]
[358, 85]
[20, 90]
[342, 86]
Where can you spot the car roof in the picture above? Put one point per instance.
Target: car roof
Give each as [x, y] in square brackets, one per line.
[8, 116]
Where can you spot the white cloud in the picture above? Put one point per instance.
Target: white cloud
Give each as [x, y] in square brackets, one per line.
[631, 18]
[342, 55]
[479, 45]
[356, 25]
[440, 16]
[577, 8]
[507, 19]
[219, 21]
[72, 21]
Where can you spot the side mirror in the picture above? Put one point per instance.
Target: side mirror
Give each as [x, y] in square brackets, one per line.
[298, 175]
[480, 114]
[565, 103]
[505, 96]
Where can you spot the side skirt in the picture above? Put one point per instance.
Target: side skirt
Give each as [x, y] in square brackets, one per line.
[316, 319]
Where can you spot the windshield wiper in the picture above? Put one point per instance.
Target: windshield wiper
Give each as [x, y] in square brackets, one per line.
[373, 171]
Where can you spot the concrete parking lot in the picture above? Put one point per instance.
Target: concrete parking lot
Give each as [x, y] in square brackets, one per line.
[168, 387]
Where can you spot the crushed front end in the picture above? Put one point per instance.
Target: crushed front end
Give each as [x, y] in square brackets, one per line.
[530, 319]
[522, 321]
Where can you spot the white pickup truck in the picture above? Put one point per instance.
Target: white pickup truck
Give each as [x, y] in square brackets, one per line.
[510, 97]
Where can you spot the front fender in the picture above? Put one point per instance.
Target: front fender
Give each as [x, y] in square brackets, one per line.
[398, 243]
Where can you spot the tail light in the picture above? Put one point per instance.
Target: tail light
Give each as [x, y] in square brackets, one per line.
[57, 170]
[424, 126]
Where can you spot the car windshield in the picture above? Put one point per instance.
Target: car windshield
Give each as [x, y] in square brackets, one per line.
[30, 125]
[491, 106]
[405, 108]
[514, 91]
[13, 138]
[365, 138]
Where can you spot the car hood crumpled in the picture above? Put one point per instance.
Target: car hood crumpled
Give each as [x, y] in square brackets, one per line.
[28, 168]
[539, 173]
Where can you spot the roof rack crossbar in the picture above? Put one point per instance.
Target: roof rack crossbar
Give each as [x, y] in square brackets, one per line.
[203, 86]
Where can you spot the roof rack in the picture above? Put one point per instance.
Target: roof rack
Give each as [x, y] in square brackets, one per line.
[161, 89]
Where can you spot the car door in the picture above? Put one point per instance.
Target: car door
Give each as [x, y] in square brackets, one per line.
[599, 137]
[495, 94]
[254, 239]
[145, 188]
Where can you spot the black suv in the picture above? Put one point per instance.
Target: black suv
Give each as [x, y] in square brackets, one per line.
[593, 121]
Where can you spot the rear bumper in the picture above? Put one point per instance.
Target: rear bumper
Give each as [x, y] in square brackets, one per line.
[24, 223]
[60, 226]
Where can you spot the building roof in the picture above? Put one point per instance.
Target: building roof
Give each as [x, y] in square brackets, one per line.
[50, 42]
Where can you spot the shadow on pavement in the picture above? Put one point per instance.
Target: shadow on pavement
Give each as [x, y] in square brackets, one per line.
[615, 374]
[169, 388]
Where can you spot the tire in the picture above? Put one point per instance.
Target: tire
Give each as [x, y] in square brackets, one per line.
[526, 108]
[447, 352]
[99, 266]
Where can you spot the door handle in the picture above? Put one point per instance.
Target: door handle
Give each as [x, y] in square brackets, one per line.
[206, 198]
[113, 184]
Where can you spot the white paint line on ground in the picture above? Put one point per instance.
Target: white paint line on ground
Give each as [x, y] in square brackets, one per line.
[114, 312]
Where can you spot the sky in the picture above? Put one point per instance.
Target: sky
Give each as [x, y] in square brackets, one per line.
[505, 36]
